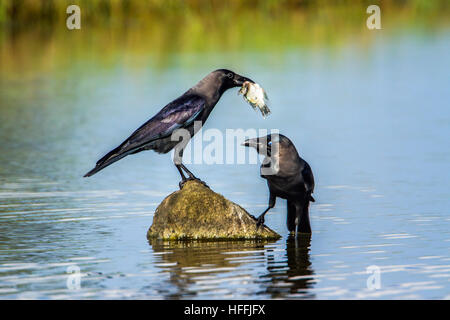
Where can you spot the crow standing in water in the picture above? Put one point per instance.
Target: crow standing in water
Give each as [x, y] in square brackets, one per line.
[288, 177]
[194, 105]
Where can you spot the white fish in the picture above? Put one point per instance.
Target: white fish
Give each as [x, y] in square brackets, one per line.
[255, 96]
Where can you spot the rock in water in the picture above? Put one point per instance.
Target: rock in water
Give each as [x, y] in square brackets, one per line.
[197, 212]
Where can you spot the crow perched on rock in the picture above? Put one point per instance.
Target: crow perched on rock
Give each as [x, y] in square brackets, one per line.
[288, 177]
[156, 134]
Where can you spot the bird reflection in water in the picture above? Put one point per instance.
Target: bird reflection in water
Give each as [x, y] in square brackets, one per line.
[291, 275]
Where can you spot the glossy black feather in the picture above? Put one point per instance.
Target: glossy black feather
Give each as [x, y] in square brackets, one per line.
[180, 113]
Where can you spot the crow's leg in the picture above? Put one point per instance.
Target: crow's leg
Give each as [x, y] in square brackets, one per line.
[191, 175]
[291, 215]
[183, 181]
[298, 214]
[302, 224]
[260, 219]
[177, 159]
[183, 177]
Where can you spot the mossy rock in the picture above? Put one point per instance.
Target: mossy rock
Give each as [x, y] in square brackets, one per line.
[197, 212]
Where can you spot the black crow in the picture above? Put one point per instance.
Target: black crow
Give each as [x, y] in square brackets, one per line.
[288, 177]
[194, 105]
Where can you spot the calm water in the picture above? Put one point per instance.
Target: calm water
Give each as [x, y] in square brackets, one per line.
[374, 124]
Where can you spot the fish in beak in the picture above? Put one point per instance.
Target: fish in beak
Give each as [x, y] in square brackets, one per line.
[240, 80]
[256, 97]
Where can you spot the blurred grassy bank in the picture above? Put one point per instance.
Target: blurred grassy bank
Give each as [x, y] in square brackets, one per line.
[33, 34]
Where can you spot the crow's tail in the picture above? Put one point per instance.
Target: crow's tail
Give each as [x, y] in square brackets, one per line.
[109, 158]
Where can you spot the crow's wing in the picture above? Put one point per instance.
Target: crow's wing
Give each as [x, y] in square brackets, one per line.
[308, 179]
[177, 114]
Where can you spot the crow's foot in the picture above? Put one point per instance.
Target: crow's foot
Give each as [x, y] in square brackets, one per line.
[183, 182]
[259, 221]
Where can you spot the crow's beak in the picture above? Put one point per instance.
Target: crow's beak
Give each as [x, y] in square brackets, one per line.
[253, 143]
[239, 80]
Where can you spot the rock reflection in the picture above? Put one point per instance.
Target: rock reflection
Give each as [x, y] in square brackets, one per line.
[233, 268]
[197, 267]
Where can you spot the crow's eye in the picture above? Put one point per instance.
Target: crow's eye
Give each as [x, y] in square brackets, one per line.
[230, 75]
